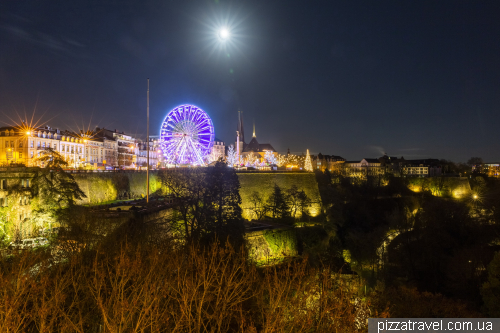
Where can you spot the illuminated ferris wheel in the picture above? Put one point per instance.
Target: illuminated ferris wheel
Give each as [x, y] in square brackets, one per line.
[186, 135]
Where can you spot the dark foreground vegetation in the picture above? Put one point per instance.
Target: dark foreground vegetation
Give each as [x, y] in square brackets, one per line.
[138, 279]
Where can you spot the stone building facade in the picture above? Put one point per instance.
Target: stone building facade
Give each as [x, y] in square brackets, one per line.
[218, 151]
[154, 153]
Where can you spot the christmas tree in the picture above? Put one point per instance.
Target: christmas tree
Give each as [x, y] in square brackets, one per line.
[308, 165]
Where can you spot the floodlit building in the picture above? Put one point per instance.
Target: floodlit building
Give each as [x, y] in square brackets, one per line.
[23, 147]
[102, 149]
[365, 167]
[96, 149]
[422, 168]
[218, 150]
[14, 146]
[126, 148]
[322, 162]
[492, 169]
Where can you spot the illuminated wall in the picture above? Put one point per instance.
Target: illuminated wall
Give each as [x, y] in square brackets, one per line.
[104, 187]
[263, 182]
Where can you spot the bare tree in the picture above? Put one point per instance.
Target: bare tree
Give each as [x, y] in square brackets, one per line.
[258, 206]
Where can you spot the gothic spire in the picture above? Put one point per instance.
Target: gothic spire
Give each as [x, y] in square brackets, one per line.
[240, 126]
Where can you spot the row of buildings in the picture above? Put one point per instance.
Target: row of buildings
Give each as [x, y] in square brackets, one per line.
[490, 169]
[98, 149]
[378, 166]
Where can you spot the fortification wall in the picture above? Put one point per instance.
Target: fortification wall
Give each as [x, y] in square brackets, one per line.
[105, 187]
[263, 183]
[109, 186]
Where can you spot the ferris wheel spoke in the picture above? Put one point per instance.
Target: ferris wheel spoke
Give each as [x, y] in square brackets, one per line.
[198, 116]
[197, 153]
[186, 151]
[176, 152]
[174, 117]
[173, 145]
[202, 123]
[190, 116]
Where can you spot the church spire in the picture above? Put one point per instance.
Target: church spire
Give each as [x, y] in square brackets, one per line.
[253, 136]
[240, 126]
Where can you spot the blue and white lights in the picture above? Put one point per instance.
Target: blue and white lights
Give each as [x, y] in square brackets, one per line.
[186, 135]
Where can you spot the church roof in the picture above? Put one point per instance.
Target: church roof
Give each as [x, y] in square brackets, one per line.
[253, 145]
[266, 146]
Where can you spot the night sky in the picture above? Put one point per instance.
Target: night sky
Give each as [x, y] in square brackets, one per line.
[352, 78]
